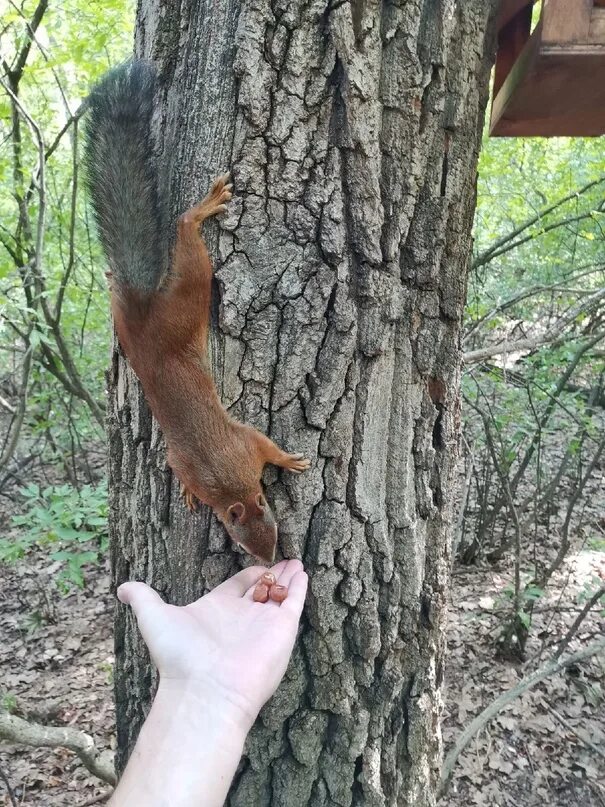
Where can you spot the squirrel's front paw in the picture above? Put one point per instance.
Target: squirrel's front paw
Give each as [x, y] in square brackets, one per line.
[296, 463]
[189, 499]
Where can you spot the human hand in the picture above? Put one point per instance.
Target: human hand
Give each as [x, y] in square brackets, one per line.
[225, 645]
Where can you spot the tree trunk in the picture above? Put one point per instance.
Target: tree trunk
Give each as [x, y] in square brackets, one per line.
[352, 131]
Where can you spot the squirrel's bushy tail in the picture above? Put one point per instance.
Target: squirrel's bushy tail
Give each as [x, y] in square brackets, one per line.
[122, 181]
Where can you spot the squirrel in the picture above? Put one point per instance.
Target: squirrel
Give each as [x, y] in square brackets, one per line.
[161, 318]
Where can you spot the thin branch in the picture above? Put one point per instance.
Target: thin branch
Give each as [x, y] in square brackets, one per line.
[15, 429]
[571, 728]
[553, 335]
[12, 252]
[7, 405]
[9, 790]
[56, 142]
[578, 621]
[548, 228]
[51, 320]
[72, 228]
[40, 228]
[34, 38]
[485, 256]
[16, 730]
[577, 493]
[503, 474]
[548, 410]
[72, 384]
[530, 292]
[16, 72]
[478, 723]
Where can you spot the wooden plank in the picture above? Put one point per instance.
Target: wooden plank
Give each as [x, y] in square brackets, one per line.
[511, 41]
[519, 72]
[596, 33]
[561, 93]
[566, 21]
[510, 8]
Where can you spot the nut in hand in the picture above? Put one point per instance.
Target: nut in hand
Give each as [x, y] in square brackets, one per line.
[278, 593]
[268, 579]
[260, 593]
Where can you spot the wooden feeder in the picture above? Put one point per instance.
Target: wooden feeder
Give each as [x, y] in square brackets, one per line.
[552, 81]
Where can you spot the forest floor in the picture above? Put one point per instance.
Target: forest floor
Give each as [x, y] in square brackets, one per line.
[546, 747]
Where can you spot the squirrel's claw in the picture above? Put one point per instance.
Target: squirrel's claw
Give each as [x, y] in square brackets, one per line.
[297, 463]
[189, 499]
[215, 200]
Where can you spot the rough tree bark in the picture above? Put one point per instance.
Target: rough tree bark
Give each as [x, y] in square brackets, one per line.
[352, 130]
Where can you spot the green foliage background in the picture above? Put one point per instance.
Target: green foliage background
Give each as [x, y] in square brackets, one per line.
[524, 281]
[74, 45]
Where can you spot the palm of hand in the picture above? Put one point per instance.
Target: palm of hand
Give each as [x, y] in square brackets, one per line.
[225, 642]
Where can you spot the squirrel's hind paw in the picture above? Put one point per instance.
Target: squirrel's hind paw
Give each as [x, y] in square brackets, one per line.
[220, 193]
[297, 463]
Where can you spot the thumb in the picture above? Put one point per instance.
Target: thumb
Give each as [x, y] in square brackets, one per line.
[148, 608]
[139, 596]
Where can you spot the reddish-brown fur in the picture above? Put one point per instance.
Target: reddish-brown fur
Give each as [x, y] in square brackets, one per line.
[218, 460]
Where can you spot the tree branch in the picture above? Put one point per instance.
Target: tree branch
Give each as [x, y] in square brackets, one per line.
[16, 730]
[530, 292]
[15, 428]
[9, 789]
[16, 72]
[600, 592]
[553, 335]
[496, 248]
[474, 727]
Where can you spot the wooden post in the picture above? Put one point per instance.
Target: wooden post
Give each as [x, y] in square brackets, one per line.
[566, 21]
[511, 41]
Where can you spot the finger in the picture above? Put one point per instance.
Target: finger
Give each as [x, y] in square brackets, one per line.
[288, 572]
[239, 584]
[147, 605]
[297, 591]
[277, 570]
[138, 596]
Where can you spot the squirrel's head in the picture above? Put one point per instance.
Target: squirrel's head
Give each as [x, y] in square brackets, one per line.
[251, 525]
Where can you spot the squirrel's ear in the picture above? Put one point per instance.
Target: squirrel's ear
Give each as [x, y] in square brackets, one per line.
[235, 512]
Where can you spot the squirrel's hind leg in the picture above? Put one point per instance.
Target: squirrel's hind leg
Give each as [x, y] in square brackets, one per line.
[214, 202]
[270, 453]
[185, 304]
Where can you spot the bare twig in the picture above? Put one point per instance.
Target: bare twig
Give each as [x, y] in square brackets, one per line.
[7, 405]
[564, 643]
[553, 335]
[9, 789]
[16, 71]
[503, 244]
[72, 227]
[577, 493]
[15, 430]
[474, 727]
[16, 730]
[100, 799]
[548, 410]
[560, 287]
[571, 728]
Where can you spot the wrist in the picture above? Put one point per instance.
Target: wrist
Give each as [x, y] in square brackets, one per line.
[204, 708]
[187, 751]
